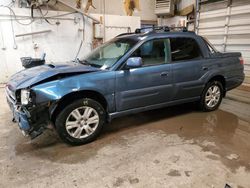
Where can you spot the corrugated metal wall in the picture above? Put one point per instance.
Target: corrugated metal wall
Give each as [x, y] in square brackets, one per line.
[228, 28]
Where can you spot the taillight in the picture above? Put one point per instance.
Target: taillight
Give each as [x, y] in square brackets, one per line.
[241, 61]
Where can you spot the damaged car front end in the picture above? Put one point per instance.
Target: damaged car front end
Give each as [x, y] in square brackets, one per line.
[33, 94]
[25, 111]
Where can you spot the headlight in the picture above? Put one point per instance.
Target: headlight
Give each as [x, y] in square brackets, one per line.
[25, 96]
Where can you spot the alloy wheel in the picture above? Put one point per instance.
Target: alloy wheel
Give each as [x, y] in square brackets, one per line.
[82, 122]
[212, 96]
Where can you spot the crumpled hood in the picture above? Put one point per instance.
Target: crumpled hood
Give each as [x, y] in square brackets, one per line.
[32, 76]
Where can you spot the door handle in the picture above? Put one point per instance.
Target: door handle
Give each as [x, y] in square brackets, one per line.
[164, 74]
[204, 68]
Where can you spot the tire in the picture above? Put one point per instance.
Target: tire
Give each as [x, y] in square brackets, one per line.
[214, 98]
[81, 121]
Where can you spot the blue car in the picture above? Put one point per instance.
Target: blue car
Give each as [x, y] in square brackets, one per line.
[133, 72]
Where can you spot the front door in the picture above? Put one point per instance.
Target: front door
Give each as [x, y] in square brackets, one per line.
[147, 85]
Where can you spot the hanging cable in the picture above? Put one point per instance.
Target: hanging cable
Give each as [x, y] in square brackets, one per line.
[83, 22]
[11, 3]
[12, 11]
[40, 10]
[3, 43]
[13, 33]
[34, 18]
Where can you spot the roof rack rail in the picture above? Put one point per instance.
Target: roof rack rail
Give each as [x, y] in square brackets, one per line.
[146, 30]
[122, 34]
[160, 28]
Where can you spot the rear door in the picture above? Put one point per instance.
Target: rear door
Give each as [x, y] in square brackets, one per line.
[187, 60]
[147, 85]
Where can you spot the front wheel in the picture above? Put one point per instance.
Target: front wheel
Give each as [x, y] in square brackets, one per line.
[80, 122]
[211, 96]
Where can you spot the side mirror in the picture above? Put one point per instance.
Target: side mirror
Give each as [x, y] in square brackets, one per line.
[134, 62]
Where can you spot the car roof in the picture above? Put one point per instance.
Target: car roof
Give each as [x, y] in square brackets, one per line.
[156, 34]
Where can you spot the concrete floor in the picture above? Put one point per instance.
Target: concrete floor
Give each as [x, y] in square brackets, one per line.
[172, 147]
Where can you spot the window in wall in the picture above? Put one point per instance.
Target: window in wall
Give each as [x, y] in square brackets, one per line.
[184, 49]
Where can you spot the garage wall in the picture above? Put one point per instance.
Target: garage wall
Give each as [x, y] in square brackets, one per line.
[176, 21]
[115, 7]
[60, 44]
[115, 24]
[228, 28]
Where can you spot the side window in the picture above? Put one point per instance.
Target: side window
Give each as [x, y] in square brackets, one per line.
[153, 52]
[184, 49]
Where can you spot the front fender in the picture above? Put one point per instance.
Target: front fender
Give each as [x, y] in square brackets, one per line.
[102, 83]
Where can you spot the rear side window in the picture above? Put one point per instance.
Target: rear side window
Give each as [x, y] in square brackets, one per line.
[184, 49]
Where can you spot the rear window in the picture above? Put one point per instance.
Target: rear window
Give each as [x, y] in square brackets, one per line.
[184, 49]
[210, 47]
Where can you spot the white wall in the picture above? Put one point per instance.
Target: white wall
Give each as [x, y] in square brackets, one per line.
[116, 24]
[5, 2]
[60, 45]
[115, 7]
[176, 21]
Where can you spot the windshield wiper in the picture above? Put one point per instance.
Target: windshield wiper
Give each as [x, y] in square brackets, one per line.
[84, 62]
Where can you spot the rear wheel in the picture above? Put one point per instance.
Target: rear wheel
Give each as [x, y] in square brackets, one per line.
[80, 122]
[211, 96]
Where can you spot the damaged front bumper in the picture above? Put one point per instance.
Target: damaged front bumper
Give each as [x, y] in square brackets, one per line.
[33, 121]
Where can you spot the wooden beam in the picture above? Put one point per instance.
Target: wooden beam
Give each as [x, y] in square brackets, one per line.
[187, 10]
[78, 10]
[89, 4]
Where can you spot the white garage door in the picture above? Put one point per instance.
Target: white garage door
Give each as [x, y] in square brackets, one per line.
[229, 30]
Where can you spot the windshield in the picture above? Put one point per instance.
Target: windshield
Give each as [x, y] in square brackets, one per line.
[109, 53]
